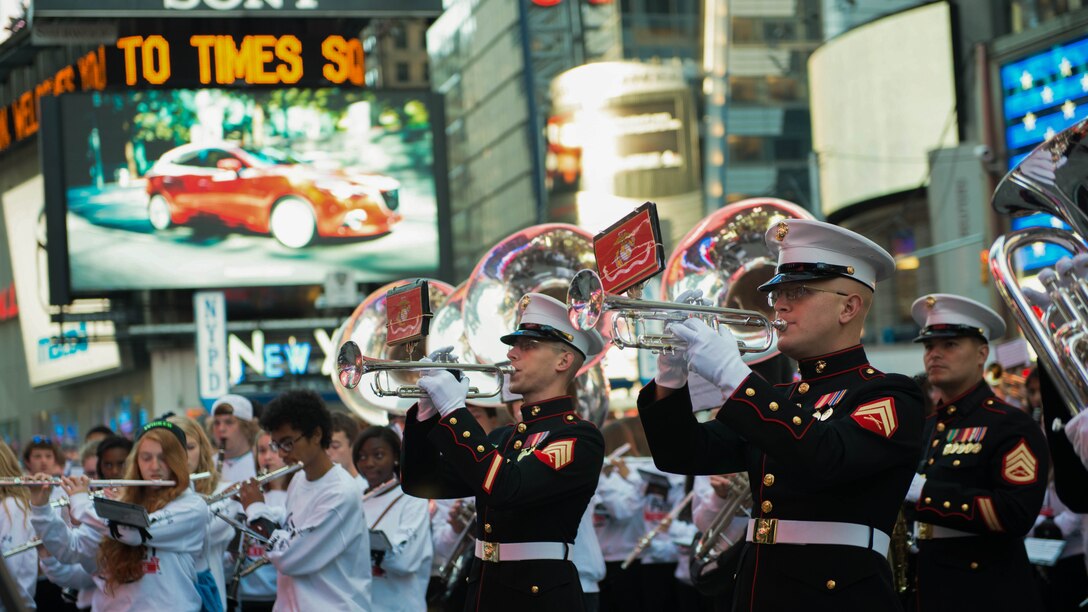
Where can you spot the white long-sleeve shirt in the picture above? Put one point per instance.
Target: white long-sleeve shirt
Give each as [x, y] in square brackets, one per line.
[617, 519]
[217, 538]
[261, 584]
[177, 538]
[321, 553]
[15, 530]
[240, 468]
[586, 554]
[400, 583]
[71, 576]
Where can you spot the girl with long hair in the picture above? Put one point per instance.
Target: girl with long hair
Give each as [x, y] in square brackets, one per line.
[15, 528]
[402, 571]
[211, 580]
[152, 568]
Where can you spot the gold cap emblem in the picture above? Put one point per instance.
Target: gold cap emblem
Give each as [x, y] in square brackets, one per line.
[783, 229]
[820, 365]
[849, 269]
[931, 302]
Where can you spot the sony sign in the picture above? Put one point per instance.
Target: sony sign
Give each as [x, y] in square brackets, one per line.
[231, 5]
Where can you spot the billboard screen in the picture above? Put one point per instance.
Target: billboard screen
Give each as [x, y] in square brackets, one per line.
[1042, 94]
[180, 188]
[882, 97]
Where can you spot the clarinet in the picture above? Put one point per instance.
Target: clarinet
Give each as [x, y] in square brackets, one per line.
[221, 457]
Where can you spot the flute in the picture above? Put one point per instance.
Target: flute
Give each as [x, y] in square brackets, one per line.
[659, 528]
[19, 481]
[382, 488]
[22, 548]
[233, 489]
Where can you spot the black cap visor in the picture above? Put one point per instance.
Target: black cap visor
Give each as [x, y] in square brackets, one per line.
[509, 339]
[950, 330]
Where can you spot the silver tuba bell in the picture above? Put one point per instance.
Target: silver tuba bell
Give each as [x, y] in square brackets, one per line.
[1052, 179]
[726, 257]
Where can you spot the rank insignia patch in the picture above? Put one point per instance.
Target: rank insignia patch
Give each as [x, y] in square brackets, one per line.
[1019, 465]
[878, 416]
[557, 454]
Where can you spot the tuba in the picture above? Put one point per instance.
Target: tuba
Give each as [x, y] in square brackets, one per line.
[1052, 179]
[726, 257]
[366, 328]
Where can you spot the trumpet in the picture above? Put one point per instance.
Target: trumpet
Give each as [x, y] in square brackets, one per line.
[32, 544]
[18, 481]
[351, 366]
[233, 489]
[587, 302]
[661, 527]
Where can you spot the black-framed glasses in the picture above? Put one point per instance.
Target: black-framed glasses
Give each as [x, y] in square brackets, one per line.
[547, 329]
[793, 293]
[286, 445]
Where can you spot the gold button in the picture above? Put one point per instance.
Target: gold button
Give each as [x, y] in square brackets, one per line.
[768, 480]
[487, 527]
[480, 448]
[802, 388]
[951, 410]
[929, 500]
[453, 420]
[964, 507]
[517, 445]
[749, 392]
[930, 462]
[989, 402]
[947, 504]
[956, 463]
[830, 585]
[535, 410]
[766, 506]
[935, 443]
[940, 426]
[796, 420]
[870, 371]
[465, 434]
[570, 418]
[535, 589]
[522, 428]
[773, 406]
[974, 565]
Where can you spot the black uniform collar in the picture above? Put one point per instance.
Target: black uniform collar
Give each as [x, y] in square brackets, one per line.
[547, 408]
[833, 363]
[966, 402]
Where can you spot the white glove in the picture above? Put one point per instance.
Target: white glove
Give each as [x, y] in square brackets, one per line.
[672, 367]
[1077, 432]
[915, 490]
[446, 392]
[426, 407]
[712, 355]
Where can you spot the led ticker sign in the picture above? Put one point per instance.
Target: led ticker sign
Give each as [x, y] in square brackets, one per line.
[184, 60]
[1043, 94]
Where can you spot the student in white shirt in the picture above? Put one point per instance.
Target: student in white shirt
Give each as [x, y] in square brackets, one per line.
[15, 528]
[232, 428]
[152, 569]
[321, 551]
[402, 572]
[257, 591]
[345, 430]
[200, 456]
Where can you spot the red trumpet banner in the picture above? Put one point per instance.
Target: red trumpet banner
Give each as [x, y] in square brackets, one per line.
[408, 313]
[630, 250]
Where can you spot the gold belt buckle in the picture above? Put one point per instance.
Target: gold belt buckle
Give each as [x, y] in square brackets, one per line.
[766, 531]
[925, 531]
[491, 552]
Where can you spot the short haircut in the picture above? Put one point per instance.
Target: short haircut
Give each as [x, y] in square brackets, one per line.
[46, 443]
[343, 422]
[99, 429]
[301, 409]
[113, 442]
[376, 431]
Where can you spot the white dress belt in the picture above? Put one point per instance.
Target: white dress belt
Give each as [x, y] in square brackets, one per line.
[521, 551]
[774, 531]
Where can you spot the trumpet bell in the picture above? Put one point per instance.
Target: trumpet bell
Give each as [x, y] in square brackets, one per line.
[585, 300]
[725, 256]
[349, 365]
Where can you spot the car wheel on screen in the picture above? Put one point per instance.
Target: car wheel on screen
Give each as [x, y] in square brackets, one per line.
[293, 223]
[158, 213]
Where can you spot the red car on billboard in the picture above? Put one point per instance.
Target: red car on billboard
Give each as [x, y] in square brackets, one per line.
[268, 192]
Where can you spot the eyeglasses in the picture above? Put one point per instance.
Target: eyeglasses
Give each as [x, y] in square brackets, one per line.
[549, 330]
[796, 292]
[286, 445]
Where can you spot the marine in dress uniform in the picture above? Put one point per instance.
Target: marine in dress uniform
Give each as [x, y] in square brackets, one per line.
[984, 473]
[532, 482]
[829, 456]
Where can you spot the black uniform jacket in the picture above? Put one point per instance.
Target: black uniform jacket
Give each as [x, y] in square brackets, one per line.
[532, 483]
[1070, 474]
[986, 473]
[840, 445]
